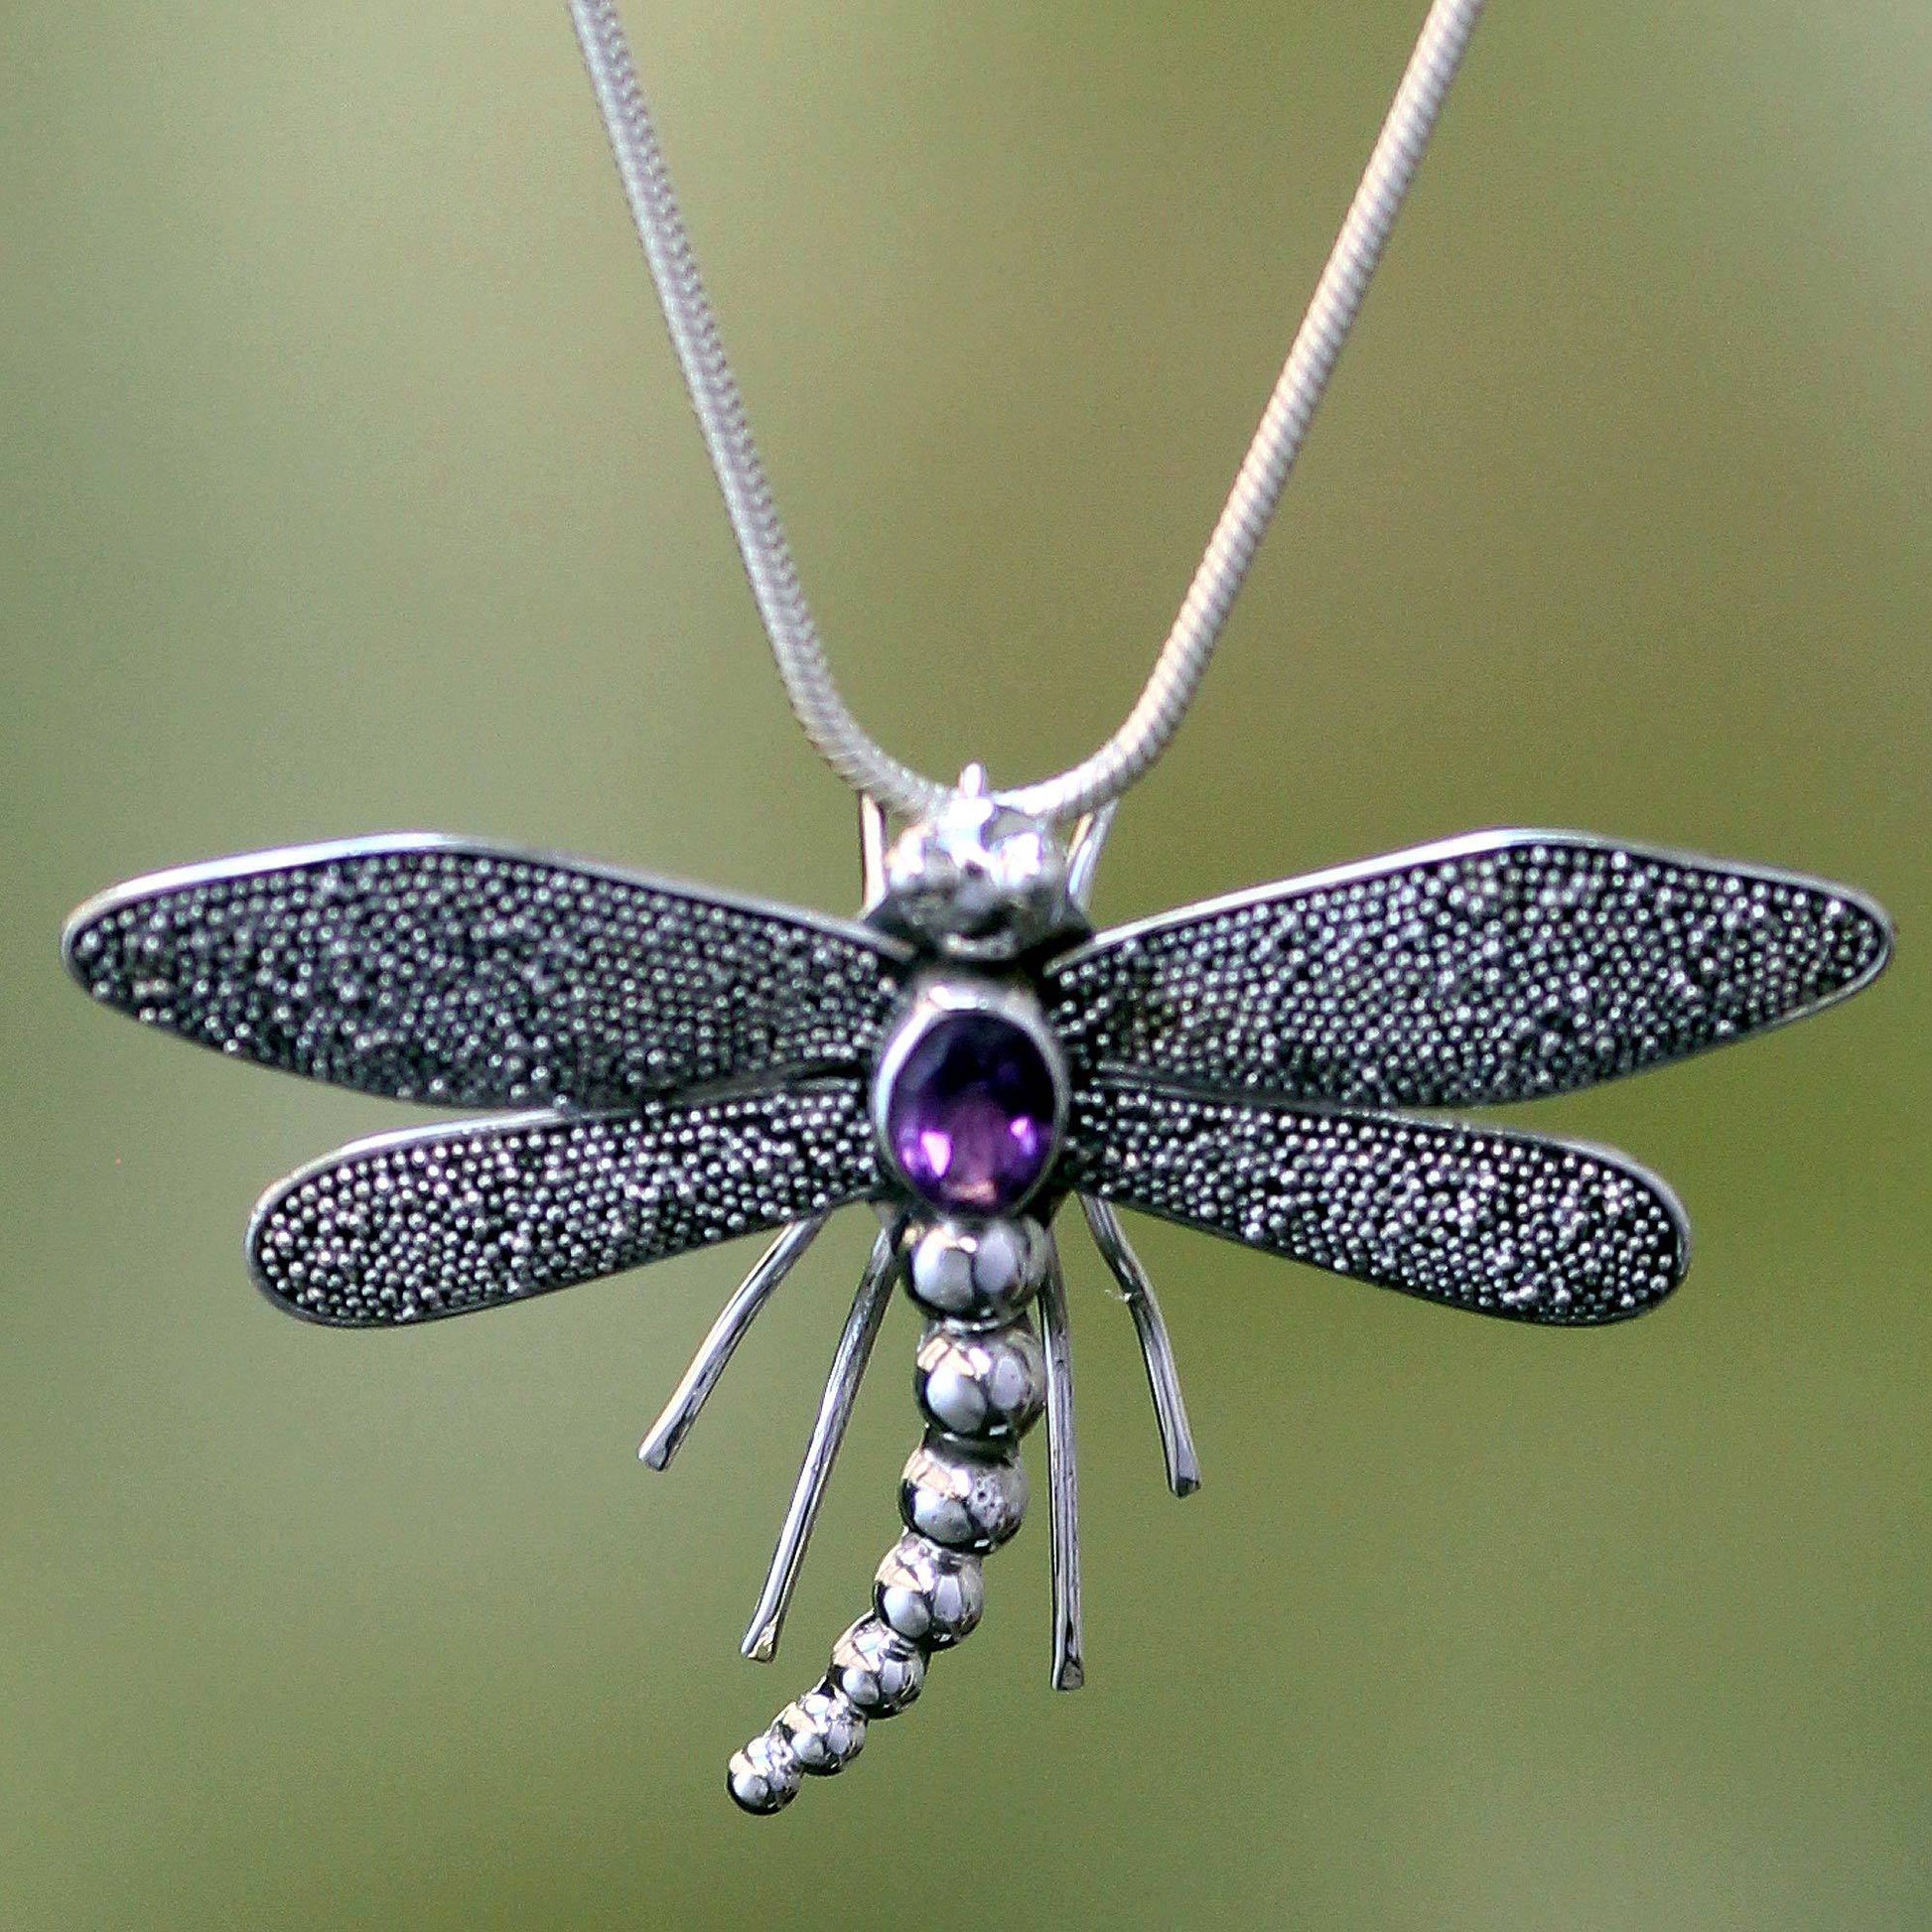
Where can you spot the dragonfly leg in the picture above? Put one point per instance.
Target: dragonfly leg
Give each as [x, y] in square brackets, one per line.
[668, 1432]
[670, 1428]
[1062, 1479]
[834, 1412]
[855, 1345]
[1157, 1352]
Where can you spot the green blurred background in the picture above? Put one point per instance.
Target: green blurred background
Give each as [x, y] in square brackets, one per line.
[347, 486]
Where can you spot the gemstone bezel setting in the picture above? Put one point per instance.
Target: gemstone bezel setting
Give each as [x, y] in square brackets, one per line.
[942, 1001]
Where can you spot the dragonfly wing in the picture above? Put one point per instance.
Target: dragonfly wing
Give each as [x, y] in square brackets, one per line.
[439, 1221]
[1485, 969]
[1498, 1223]
[476, 975]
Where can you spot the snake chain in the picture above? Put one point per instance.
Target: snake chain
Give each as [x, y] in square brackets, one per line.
[1183, 658]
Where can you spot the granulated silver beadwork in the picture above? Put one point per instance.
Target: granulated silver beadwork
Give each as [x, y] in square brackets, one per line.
[691, 1068]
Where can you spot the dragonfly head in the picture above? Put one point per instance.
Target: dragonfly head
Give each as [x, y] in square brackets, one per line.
[978, 881]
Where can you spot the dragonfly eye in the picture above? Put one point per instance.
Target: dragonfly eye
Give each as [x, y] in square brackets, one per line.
[969, 1097]
[977, 879]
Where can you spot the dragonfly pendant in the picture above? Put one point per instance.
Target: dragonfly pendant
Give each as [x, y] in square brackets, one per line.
[681, 1067]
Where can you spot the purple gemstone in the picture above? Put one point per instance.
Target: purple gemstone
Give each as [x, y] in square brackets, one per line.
[970, 1114]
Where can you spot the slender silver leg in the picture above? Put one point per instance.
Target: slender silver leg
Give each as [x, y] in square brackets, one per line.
[715, 1353]
[834, 1412]
[1157, 1352]
[1062, 1479]
[1162, 1379]
[668, 1432]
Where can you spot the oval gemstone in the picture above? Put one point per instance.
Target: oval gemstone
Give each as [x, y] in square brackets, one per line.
[970, 1114]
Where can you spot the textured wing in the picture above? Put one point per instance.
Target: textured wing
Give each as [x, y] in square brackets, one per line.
[1490, 968]
[1504, 1224]
[476, 975]
[412, 1226]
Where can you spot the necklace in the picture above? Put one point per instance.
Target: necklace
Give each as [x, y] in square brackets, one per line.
[968, 1057]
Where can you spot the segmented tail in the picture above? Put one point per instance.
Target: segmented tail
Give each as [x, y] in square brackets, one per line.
[981, 1381]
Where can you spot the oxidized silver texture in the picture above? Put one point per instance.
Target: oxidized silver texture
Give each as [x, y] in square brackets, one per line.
[1497, 967]
[691, 1068]
[1471, 1216]
[440, 1220]
[474, 975]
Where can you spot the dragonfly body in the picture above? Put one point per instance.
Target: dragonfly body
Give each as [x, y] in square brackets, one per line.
[682, 1067]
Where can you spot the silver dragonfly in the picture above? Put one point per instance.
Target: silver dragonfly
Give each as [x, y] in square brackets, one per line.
[678, 1066]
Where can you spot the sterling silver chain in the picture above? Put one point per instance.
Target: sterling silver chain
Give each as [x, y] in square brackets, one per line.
[1183, 658]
